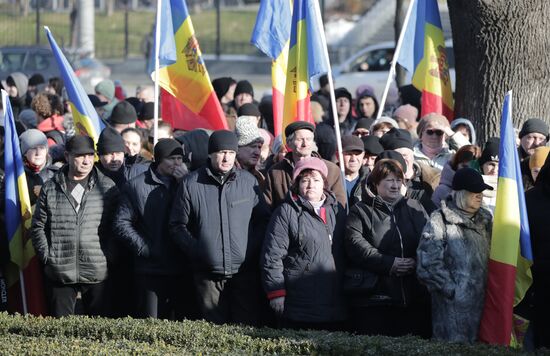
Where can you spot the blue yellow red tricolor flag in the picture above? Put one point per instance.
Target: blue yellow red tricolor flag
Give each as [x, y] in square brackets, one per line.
[511, 256]
[183, 73]
[423, 54]
[86, 119]
[24, 277]
[271, 35]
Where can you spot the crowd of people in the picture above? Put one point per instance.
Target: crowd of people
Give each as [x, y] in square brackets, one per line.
[239, 226]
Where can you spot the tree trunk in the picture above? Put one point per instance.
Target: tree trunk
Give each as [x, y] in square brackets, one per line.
[110, 10]
[501, 45]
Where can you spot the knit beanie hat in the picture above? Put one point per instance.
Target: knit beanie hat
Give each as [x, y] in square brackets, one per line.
[490, 152]
[538, 158]
[109, 141]
[407, 112]
[534, 126]
[80, 144]
[36, 79]
[244, 86]
[32, 138]
[147, 112]
[372, 145]
[396, 138]
[310, 163]
[123, 113]
[106, 88]
[96, 102]
[221, 86]
[222, 140]
[249, 109]
[29, 118]
[247, 131]
[364, 123]
[137, 104]
[395, 156]
[167, 147]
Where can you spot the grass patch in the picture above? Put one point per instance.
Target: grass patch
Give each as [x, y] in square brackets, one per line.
[236, 28]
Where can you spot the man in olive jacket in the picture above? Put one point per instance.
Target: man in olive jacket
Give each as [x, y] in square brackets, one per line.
[70, 230]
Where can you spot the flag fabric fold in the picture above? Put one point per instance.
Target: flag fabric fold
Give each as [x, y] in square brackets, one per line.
[305, 60]
[183, 73]
[85, 117]
[423, 54]
[271, 35]
[23, 270]
[509, 275]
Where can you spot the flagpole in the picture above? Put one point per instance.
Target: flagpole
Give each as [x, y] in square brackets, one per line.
[23, 295]
[331, 89]
[157, 69]
[391, 74]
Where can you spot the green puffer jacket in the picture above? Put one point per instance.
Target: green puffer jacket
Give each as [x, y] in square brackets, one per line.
[73, 245]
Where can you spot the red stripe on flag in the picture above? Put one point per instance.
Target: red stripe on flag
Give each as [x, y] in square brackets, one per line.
[434, 103]
[496, 323]
[181, 117]
[278, 111]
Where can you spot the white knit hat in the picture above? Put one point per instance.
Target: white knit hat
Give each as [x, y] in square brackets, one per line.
[247, 131]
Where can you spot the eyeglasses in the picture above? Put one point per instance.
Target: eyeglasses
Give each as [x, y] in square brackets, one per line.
[437, 132]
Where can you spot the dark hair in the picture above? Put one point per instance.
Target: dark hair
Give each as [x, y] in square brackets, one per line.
[382, 169]
[465, 154]
[295, 185]
[57, 84]
[136, 131]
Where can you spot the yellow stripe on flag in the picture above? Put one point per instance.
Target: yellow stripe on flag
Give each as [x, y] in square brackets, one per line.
[506, 224]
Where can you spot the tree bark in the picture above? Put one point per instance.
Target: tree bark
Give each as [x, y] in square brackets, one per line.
[501, 45]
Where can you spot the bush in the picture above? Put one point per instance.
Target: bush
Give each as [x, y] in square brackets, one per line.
[84, 335]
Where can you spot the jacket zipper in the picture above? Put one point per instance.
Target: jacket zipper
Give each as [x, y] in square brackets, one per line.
[402, 256]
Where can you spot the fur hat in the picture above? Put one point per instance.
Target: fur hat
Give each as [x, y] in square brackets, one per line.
[247, 131]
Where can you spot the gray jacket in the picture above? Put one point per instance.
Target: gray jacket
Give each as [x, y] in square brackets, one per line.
[73, 245]
[452, 262]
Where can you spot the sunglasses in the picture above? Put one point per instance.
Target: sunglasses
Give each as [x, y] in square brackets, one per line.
[437, 132]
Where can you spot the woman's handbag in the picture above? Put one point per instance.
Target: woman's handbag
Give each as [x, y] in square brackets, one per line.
[359, 281]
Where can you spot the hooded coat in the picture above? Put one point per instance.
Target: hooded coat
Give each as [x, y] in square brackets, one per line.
[444, 188]
[18, 103]
[462, 121]
[452, 262]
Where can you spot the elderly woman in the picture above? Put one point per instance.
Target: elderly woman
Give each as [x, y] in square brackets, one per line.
[382, 234]
[301, 256]
[452, 259]
[432, 148]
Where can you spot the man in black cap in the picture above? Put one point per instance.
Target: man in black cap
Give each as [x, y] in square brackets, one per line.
[110, 149]
[71, 229]
[372, 149]
[212, 222]
[534, 133]
[353, 151]
[163, 283]
[300, 140]
[123, 116]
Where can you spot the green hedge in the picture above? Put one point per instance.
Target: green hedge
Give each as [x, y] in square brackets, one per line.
[98, 336]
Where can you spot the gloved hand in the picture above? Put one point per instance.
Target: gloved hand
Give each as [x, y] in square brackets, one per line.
[278, 305]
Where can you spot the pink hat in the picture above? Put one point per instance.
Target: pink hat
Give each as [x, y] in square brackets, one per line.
[310, 163]
[407, 112]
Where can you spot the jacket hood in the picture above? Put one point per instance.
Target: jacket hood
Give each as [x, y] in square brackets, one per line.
[447, 175]
[21, 83]
[463, 121]
[358, 106]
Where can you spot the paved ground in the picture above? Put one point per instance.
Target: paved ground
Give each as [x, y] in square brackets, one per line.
[257, 70]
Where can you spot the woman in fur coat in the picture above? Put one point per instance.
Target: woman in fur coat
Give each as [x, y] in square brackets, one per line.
[452, 259]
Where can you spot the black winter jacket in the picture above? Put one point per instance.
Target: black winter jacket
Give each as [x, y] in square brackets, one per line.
[302, 259]
[142, 224]
[377, 233]
[218, 225]
[71, 244]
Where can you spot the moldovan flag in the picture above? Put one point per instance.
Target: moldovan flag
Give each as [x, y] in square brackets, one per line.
[86, 119]
[183, 74]
[306, 60]
[423, 55]
[271, 35]
[511, 256]
[24, 276]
